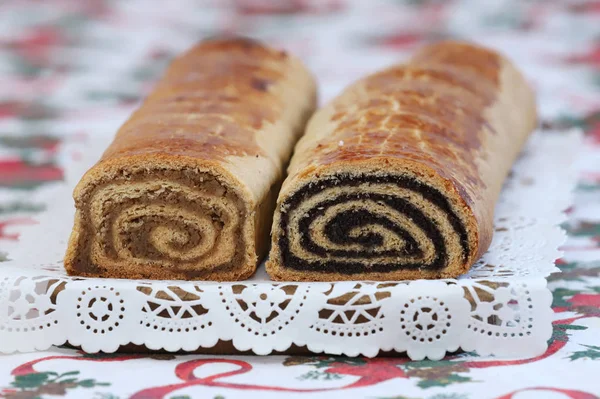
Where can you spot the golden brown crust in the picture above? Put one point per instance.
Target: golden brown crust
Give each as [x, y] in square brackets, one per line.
[195, 163]
[453, 118]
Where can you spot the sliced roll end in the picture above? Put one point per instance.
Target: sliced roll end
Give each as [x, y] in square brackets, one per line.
[379, 219]
[162, 220]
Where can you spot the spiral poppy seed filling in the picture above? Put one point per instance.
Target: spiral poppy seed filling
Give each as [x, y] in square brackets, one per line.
[397, 177]
[336, 249]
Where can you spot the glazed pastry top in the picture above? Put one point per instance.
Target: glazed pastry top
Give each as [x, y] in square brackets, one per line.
[430, 110]
[228, 102]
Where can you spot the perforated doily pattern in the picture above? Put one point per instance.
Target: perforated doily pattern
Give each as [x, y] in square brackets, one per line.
[502, 306]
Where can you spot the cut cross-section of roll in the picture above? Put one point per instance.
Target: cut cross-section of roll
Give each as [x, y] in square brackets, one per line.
[188, 186]
[397, 178]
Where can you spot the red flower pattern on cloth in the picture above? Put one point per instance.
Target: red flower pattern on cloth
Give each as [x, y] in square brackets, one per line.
[71, 66]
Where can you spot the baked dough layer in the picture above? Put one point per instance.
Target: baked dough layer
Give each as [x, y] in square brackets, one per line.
[397, 178]
[187, 188]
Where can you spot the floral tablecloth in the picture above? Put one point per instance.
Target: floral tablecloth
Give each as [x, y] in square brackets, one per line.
[70, 69]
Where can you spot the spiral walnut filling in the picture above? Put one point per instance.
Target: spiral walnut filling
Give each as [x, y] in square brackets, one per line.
[187, 225]
[352, 224]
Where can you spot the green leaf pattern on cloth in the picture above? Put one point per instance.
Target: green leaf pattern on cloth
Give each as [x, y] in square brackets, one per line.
[69, 70]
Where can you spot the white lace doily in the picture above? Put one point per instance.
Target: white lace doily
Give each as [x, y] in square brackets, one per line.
[502, 306]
